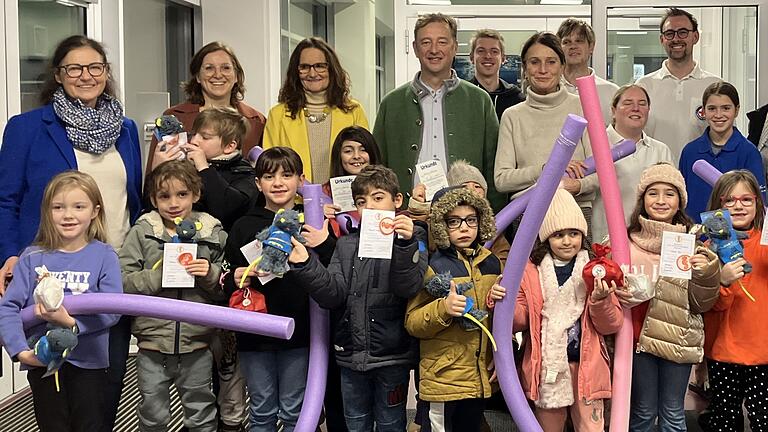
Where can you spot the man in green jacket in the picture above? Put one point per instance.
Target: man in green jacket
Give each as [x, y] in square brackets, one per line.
[437, 115]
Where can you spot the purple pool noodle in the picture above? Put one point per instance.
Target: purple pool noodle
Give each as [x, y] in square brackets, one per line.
[172, 309]
[706, 171]
[319, 328]
[344, 220]
[254, 153]
[513, 273]
[516, 207]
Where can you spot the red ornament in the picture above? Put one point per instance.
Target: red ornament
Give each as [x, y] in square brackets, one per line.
[602, 267]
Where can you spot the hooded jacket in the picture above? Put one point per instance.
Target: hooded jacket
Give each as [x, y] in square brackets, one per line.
[142, 249]
[284, 296]
[505, 96]
[454, 361]
[367, 298]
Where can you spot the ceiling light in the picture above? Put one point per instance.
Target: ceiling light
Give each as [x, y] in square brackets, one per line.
[561, 2]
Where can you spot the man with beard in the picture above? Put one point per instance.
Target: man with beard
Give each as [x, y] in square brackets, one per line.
[676, 88]
[487, 55]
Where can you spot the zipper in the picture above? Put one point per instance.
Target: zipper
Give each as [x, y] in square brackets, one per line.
[177, 337]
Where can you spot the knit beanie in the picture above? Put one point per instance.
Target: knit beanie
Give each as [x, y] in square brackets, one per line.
[563, 214]
[663, 173]
[462, 171]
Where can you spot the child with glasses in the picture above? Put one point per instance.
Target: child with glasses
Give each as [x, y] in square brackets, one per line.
[456, 367]
[735, 344]
[722, 145]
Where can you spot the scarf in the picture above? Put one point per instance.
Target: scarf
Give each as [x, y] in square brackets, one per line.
[92, 130]
[563, 305]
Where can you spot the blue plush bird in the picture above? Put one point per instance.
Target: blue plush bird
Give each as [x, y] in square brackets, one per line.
[53, 348]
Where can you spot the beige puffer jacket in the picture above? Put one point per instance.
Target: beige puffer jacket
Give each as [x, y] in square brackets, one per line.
[673, 328]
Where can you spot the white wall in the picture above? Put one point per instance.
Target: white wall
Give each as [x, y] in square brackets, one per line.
[145, 60]
[252, 29]
[357, 51]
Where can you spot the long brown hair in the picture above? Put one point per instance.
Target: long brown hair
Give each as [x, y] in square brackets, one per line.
[194, 90]
[71, 43]
[292, 91]
[727, 182]
[48, 236]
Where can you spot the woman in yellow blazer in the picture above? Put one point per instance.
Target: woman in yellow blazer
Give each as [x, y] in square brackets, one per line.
[314, 106]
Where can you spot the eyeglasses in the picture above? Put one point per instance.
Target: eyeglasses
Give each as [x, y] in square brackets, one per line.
[681, 33]
[318, 67]
[209, 70]
[76, 70]
[747, 200]
[455, 222]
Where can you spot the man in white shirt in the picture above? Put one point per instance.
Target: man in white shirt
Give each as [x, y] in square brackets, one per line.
[578, 41]
[676, 89]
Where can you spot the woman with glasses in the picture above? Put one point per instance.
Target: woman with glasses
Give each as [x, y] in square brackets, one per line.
[216, 79]
[79, 127]
[721, 144]
[314, 106]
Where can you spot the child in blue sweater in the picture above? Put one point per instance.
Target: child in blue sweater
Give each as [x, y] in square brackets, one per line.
[70, 244]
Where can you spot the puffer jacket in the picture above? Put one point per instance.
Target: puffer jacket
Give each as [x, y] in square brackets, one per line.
[368, 298]
[142, 249]
[599, 318]
[454, 361]
[670, 325]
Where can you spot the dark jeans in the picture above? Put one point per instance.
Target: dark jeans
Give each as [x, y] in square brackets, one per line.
[378, 396]
[119, 342]
[658, 390]
[78, 404]
[334, 408]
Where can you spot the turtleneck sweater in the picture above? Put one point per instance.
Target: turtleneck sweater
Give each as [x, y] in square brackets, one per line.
[319, 135]
[645, 255]
[527, 135]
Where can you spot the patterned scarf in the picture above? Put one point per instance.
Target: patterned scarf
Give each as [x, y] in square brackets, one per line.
[92, 130]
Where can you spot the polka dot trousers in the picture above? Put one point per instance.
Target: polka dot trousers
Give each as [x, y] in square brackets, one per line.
[733, 385]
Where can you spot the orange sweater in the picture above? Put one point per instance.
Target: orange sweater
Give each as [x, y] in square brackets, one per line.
[736, 326]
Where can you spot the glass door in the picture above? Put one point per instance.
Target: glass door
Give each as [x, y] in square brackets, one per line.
[728, 44]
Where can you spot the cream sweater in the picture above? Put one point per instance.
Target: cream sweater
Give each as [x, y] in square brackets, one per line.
[527, 135]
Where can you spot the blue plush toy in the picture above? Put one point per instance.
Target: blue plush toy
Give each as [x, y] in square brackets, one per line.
[185, 230]
[725, 240]
[276, 241]
[54, 347]
[440, 285]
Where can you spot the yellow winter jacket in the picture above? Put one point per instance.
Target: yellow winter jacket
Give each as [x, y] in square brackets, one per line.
[454, 361]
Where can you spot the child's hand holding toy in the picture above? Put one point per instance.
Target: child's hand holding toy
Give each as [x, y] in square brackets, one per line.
[454, 303]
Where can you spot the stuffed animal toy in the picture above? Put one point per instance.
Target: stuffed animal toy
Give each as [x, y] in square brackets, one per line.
[276, 241]
[166, 128]
[440, 285]
[54, 347]
[725, 240]
[186, 230]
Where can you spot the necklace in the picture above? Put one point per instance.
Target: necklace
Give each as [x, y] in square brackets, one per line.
[315, 118]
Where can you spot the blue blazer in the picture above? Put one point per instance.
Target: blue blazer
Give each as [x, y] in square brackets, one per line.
[36, 148]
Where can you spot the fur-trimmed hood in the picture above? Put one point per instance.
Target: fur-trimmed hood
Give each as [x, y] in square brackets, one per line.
[443, 203]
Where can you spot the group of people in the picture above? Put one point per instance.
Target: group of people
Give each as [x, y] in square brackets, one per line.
[77, 206]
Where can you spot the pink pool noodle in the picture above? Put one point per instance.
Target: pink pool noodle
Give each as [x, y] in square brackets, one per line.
[319, 328]
[513, 272]
[609, 188]
[174, 310]
[516, 207]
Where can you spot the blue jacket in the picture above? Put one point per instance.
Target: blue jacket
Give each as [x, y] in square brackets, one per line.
[35, 149]
[738, 153]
